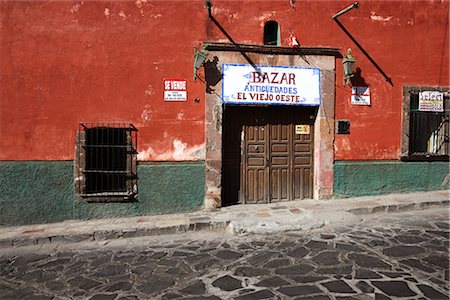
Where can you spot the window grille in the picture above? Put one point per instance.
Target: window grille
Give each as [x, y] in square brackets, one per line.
[106, 165]
[271, 33]
[428, 131]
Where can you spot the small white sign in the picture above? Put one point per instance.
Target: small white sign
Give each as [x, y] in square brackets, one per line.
[175, 89]
[431, 101]
[360, 95]
[301, 129]
[282, 85]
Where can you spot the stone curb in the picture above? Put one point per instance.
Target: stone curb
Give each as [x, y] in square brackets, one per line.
[103, 235]
[193, 224]
[397, 207]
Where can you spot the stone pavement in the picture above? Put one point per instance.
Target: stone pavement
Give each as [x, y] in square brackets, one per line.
[386, 256]
[239, 219]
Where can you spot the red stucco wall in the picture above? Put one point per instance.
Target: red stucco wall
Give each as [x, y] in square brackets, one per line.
[68, 62]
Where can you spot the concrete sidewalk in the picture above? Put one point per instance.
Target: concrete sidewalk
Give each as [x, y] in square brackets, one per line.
[238, 219]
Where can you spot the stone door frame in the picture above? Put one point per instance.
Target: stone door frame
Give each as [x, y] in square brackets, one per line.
[322, 58]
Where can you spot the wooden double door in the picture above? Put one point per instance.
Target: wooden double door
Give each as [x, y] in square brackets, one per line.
[275, 158]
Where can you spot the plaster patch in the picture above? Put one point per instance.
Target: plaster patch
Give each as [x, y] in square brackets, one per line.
[343, 145]
[179, 152]
[179, 148]
[122, 14]
[139, 3]
[149, 90]
[220, 10]
[225, 12]
[146, 115]
[264, 18]
[374, 17]
[75, 8]
[232, 16]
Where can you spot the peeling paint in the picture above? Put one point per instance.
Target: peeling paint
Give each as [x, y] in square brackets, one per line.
[106, 12]
[122, 14]
[220, 10]
[264, 18]
[179, 148]
[140, 5]
[374, 17]
[225, 12]
[147, 113]
[180, 116]
[179, 152]
[342, 144]
[75, 8]
[149, 90]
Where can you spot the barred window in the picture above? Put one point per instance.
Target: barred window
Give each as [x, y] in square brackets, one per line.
[427, 134]
[105, 164]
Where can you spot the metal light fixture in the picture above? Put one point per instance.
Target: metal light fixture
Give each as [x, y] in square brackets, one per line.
[349, 64]
[354, 5]
[199, 59]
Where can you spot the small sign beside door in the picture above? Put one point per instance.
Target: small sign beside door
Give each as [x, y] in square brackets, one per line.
[175, 89]
[360, 95]
[431, 101]
[302, 129]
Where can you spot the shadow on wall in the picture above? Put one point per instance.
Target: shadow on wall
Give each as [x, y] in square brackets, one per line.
[358, 79]
[212, 74]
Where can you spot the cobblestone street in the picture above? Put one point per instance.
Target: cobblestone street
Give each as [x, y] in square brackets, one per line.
[384, 257]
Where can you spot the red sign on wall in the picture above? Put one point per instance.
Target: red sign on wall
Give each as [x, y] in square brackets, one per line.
[175, 89]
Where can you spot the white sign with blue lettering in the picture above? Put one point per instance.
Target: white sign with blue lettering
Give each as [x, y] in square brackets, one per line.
[243, 84]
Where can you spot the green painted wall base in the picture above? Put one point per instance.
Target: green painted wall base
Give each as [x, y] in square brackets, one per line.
[42, 192]
[353, 179]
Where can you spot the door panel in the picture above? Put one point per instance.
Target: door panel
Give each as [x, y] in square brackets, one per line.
[279, 161]
[255, 160]
[302, 165]
[276, 160]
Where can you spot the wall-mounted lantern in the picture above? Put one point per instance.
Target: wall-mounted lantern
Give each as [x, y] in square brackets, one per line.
[349, 64]
[199, 59]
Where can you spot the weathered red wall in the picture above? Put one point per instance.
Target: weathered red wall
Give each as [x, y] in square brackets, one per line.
[68, 62]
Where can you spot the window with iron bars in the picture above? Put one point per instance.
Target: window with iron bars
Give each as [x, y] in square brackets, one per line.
[106, 162]
[425, 133]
